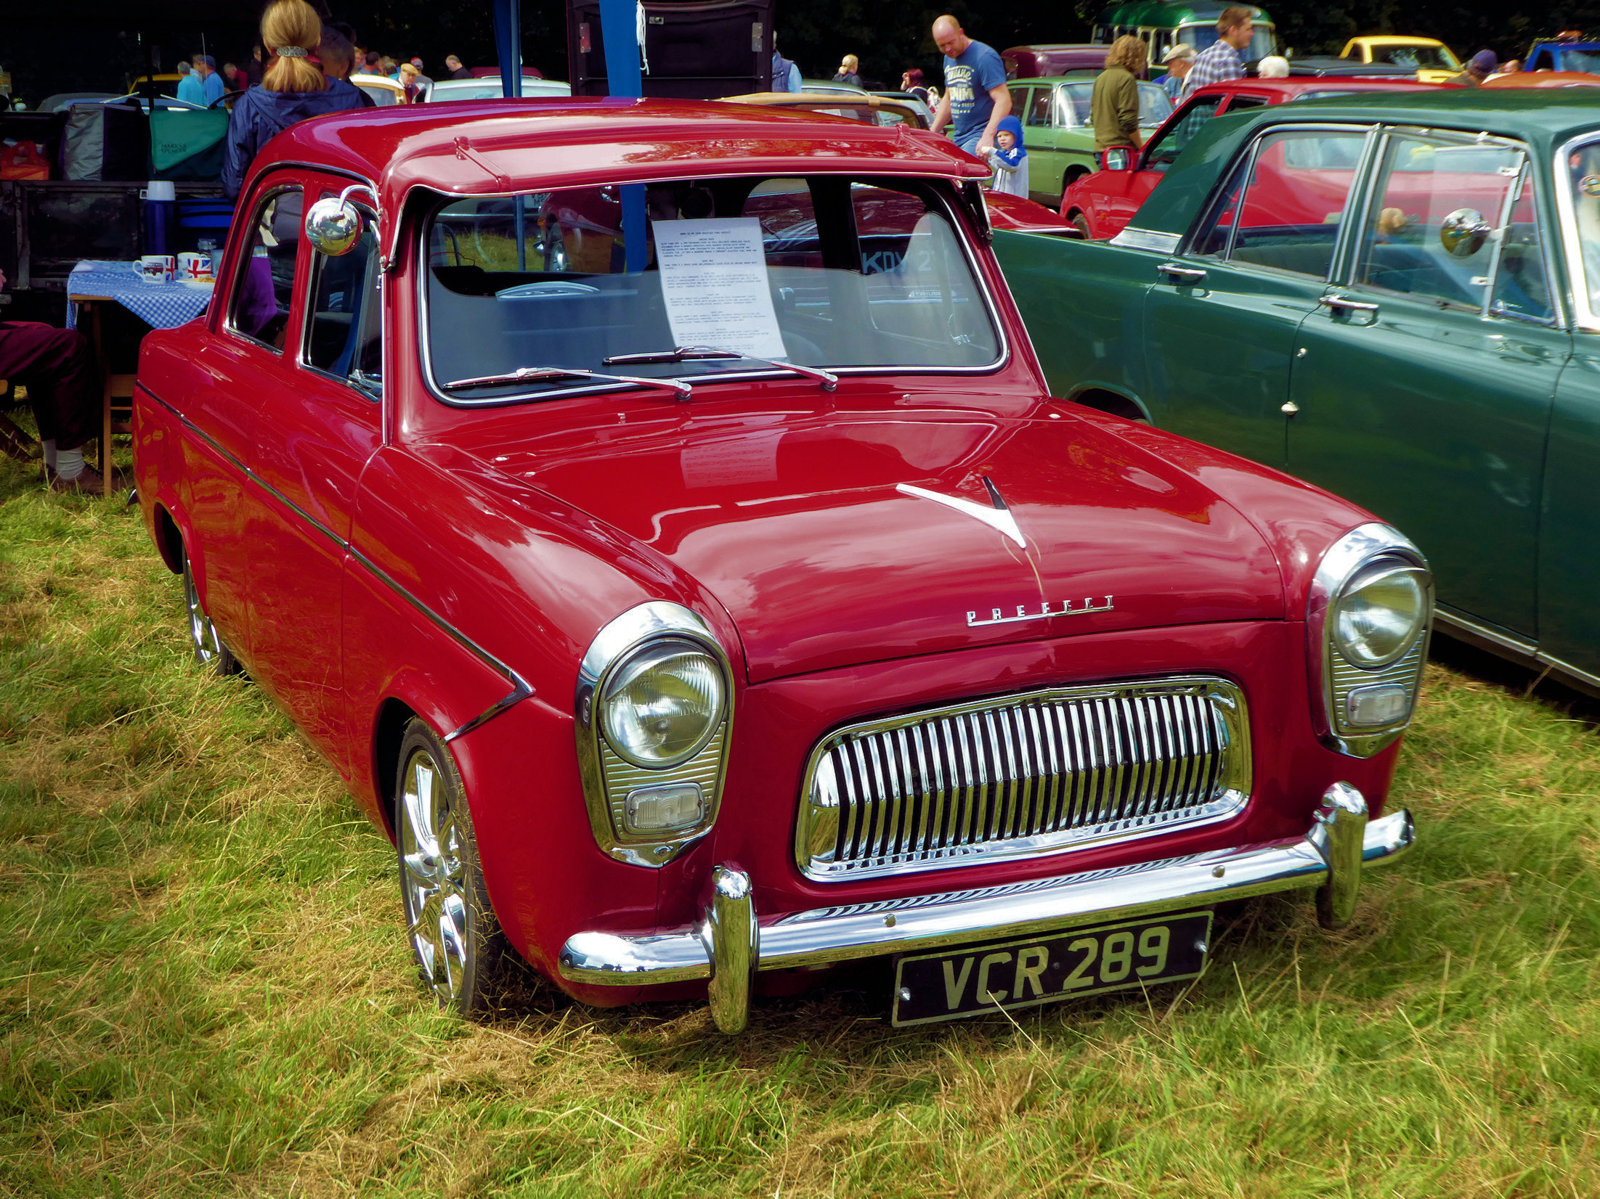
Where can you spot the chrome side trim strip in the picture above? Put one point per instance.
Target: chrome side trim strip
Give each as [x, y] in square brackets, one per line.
[521, 689]
[1514, 649]
[837, 934]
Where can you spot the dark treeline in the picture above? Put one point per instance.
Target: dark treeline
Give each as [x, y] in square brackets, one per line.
[98, 45]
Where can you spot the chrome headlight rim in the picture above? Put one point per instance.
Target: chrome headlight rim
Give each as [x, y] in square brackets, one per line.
[1372, 545]
[604, 772]
[1371, 574]
[662, 647]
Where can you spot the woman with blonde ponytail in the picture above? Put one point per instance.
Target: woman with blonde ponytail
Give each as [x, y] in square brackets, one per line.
[292, 88]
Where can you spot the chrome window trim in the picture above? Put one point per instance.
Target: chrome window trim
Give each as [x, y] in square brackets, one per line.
[1584, 315]
[1132, 238]
[598, 765]
[1082, 791]
[520, 688]
[947, 207]
[1366, 543]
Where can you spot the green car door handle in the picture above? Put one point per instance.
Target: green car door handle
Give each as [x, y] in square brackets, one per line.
[1344, 304]
[1183, 276]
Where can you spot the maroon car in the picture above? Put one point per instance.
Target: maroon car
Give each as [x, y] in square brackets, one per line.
[1102, 203]
[725, 598]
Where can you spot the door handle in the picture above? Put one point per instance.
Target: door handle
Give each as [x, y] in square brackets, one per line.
[1183, 276]
[1344, 304]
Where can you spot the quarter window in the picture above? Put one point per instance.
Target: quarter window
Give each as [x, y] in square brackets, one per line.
[261, 298]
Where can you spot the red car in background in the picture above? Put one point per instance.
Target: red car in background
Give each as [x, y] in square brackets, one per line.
[1102, 203]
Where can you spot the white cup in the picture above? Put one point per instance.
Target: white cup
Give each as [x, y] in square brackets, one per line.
[159, 189]
[193, 267]
[156, 268]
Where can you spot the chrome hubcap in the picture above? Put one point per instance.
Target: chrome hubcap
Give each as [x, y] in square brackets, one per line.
[201, 631]
[434, 877]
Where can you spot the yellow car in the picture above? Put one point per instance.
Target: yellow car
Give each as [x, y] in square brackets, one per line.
[1430, 58]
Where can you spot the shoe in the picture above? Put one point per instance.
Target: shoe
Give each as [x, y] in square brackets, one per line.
[90, 482]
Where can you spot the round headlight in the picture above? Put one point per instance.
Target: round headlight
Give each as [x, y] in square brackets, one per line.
[1380, 613]
[662, 703]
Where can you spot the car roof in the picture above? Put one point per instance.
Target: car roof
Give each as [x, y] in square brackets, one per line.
[1293, 86]
[1543, 117]
[499, 147]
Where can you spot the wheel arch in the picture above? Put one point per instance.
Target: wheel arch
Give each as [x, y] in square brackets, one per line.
[1105, 400]
[388, 732]
[168, 537]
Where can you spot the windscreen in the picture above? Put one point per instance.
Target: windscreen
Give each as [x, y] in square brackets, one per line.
[824, 272]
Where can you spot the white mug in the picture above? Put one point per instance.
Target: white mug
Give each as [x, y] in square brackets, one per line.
[194, 267]
[156, 268]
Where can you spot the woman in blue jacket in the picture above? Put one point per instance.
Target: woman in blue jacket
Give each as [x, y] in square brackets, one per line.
[292, 88]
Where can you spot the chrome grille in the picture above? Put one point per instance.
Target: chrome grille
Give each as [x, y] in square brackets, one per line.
[1023, 775]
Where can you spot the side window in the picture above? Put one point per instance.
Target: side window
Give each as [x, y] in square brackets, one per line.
[1520, 285]
[1437, 223]
[1036, 104]
[345, 319]
[1284, 208]
[1175, 137]
[261, 301]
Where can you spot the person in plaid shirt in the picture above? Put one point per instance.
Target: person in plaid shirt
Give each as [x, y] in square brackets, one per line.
[1220, 61]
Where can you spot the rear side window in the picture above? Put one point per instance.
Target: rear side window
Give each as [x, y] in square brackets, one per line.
[1283, 207]
[1445, 214]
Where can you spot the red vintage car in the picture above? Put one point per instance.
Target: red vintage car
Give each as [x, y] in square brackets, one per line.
[736, 601]
[1101, 204]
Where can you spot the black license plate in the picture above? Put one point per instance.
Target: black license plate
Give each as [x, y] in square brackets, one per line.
[1086, 961]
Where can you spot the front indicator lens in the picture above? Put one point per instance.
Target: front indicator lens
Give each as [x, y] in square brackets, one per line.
[1380, 613]
[663, 703]
[1379, 706]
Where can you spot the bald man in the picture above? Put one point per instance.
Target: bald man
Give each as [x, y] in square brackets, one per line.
[975, 92]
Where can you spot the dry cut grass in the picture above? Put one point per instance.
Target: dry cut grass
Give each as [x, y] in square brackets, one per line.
[204, 990]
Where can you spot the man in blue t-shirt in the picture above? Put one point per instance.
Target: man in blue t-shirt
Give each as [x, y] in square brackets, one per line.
[975, 92]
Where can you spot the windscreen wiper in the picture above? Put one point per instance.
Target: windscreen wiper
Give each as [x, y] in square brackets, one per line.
[828, 379]
[543, 374]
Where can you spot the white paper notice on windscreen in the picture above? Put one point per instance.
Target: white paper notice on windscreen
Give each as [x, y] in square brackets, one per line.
[714, 282]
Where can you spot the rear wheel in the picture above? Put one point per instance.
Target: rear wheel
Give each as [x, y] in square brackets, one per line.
[210, 651]
[459, 948]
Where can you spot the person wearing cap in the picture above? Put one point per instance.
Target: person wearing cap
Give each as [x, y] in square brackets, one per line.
[1479, 67]
[1178, 59]
[206, 67]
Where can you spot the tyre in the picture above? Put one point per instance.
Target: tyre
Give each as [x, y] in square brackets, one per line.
[1079, 222]
[456, 941]
[210, 651]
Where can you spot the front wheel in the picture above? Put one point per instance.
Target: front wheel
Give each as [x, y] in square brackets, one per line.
[210, 651]
[455, 938]
[1081, 223]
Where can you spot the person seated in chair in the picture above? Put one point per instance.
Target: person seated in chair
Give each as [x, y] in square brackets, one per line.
[56, 367]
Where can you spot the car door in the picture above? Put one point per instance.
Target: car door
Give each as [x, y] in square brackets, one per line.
[1423, 389]
[328, 424]
[1222, 318]
[245, 370]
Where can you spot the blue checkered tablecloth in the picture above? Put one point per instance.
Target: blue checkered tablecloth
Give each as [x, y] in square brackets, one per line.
[162, 305]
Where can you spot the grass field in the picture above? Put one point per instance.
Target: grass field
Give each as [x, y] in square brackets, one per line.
[204, 988]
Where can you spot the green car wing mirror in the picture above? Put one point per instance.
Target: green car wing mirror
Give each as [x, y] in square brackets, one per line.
[1463, 232]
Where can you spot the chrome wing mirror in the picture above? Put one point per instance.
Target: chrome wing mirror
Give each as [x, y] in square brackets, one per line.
[1463, 232]
[333, 225]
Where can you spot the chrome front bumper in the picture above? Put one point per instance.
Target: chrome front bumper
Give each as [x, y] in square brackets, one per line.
[728, 946]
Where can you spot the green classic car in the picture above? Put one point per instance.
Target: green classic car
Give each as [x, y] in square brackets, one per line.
[1396, 297]
[1058, 133]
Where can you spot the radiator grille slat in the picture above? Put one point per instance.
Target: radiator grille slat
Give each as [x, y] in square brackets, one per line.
[1024, 775]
